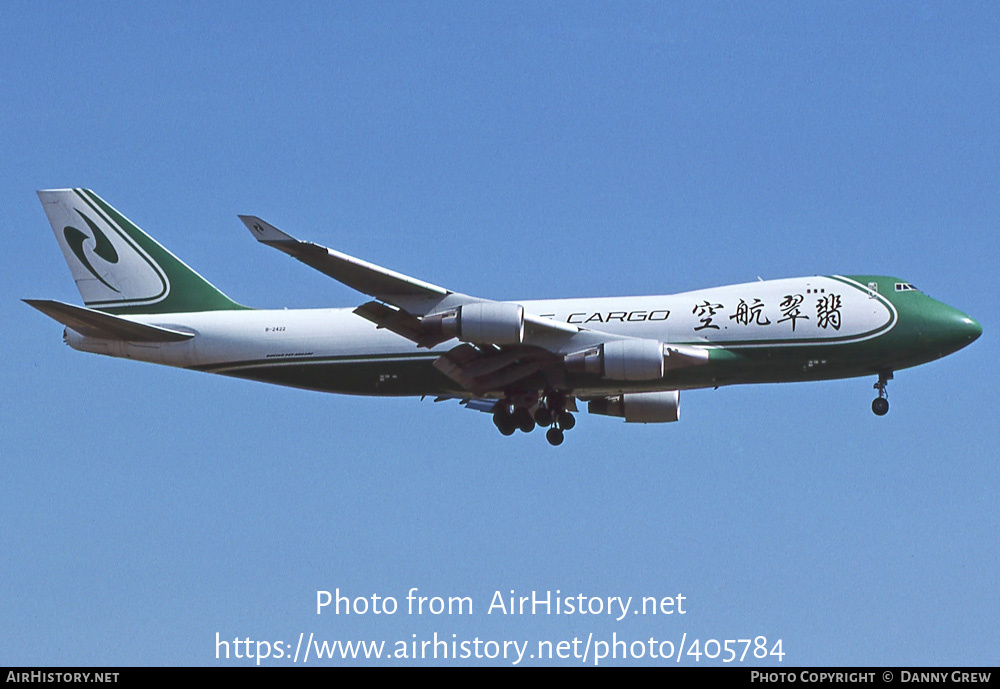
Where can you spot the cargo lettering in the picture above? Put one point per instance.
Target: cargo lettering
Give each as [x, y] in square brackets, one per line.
[619, 316]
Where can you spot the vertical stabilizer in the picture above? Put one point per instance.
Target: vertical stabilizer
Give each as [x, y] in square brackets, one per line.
[118, 268]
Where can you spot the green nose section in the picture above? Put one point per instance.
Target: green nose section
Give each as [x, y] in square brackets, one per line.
[971, 329]
[953, 329]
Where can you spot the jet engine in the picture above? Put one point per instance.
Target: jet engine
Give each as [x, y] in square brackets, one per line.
[620, 360]
[481, 323]
[635, 359]
[640, 407]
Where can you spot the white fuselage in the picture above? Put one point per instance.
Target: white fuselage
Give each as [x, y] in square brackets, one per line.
[797, 311]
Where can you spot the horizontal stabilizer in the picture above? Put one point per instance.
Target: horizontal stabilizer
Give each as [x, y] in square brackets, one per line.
[91, 323]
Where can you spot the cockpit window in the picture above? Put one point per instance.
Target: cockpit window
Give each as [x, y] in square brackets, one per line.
[905, 287]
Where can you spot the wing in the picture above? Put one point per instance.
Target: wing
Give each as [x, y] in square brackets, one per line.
[403, 302]
[502, 345]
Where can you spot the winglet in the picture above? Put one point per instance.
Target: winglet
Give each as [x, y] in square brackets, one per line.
[264, 231]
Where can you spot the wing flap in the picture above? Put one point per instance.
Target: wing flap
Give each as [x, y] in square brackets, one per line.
[91, 323]
[488, 371]
[400, 322]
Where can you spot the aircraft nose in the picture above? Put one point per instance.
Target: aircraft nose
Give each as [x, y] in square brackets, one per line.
[970, 328]
[957, 328]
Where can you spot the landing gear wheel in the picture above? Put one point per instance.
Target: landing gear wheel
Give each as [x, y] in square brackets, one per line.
[566, 420]
[881, 403]
[522, 419]
[504, 422]
[554, 436]
[543, 417]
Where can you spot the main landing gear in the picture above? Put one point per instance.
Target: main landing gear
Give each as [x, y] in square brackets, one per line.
[524, 413]
[880, 405]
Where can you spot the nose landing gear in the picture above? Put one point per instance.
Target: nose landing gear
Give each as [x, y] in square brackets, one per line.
[880, 405]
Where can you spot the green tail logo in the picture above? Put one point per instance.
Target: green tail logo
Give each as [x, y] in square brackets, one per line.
[118, 268]
[102, 247]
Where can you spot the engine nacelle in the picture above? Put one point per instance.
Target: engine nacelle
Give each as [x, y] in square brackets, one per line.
[481, 323]
[620, 360]
[640, 407]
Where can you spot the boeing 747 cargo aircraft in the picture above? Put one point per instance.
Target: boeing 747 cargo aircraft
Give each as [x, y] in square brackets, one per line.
[527, 363]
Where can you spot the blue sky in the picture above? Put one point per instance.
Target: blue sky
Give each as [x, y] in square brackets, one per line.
[512, 151]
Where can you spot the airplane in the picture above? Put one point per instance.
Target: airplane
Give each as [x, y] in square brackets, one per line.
[527, 363]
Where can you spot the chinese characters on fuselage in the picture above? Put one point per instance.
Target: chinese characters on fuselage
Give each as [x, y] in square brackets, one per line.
[748, 312]
[791, 307]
